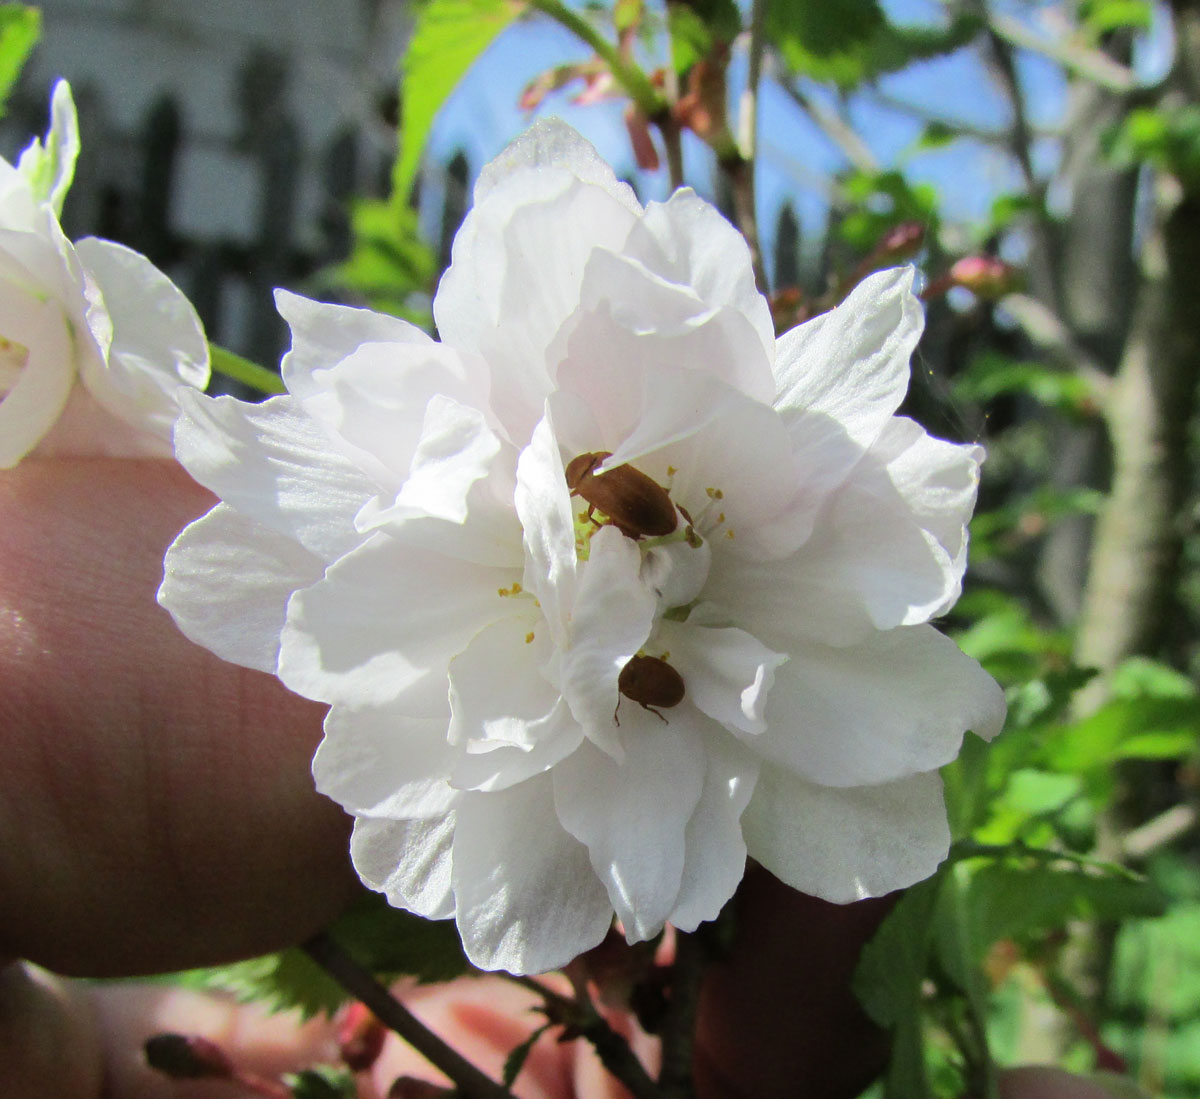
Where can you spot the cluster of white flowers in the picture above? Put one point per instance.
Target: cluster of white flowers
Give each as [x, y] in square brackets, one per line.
[95, 341]
[608, 589]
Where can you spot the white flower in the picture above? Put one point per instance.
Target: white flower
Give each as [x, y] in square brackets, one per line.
[539, 719]
[94, 339]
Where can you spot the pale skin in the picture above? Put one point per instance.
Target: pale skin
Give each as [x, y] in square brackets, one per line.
[158, 813]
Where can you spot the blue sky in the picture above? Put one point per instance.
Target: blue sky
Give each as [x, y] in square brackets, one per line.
[795, 157]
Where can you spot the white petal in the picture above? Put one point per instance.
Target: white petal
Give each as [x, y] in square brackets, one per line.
[508, 721]
[938, 480]
[844, 845]
[456, 449]
[688, 241]
[893, 705]
[157, 343]
[544, 506]
[227, 581]
[714, 850]
[551, 143]
[610, 621]
[869, 565]
[36, 400]
[50, 167]
[528, 900]
[323, 335]
[727, 672]
[270, 462]
[383, 625]
[633, 815]
[676, 572]
[518, 260]
[852, 363]
[410, 861]
[682, 328]
[379, 763]
[375, 399]
[649, 388]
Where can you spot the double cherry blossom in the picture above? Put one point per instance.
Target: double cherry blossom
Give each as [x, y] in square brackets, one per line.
[95, 341]
[543, 710]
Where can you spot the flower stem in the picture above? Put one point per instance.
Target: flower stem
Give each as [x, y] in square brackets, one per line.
[673, 143]
[628, 74]
[679, 1027]
[738, 163]
[580, 1016]
[244, 371]
[469, 1081]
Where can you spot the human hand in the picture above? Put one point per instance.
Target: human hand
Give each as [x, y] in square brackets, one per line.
[159, 814]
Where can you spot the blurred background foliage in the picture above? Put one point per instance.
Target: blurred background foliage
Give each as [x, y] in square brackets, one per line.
[1063, 333]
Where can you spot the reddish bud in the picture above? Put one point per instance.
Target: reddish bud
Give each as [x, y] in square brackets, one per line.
[902, 241]
[187, 1057]
[360, 1037]
[701, 108]
[985, 276]
[552, 80]
[598, 85]
[644, 151]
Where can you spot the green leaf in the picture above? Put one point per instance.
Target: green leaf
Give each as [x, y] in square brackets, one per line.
[20, 29]
[515, 1061]
[888, 981]
[991, 374]
[450, 35]
[389, 942]
[1142, 728]
[322, 1082]
[697, 26]
[392, 941]
[1018, 902]
[1102, 17]
[852, 41]
[388, 264]
[1156, 966]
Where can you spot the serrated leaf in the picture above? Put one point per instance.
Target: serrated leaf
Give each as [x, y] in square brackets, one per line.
[888, 981]
[449, 36]
[20, 29]
[389, 942]
[1122, 729]
[1011, 902]
[852, 41]
[696, 27]
[515, 1061]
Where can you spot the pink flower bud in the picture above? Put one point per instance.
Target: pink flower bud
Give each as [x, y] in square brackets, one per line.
[985, 276]
[902, 241]
[360, 1037]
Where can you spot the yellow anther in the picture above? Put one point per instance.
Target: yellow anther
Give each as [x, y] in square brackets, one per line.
[714, 494]
[729, 533]
[529, 638]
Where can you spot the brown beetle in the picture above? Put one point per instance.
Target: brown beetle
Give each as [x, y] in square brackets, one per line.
[636, 504]
[650, 681]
